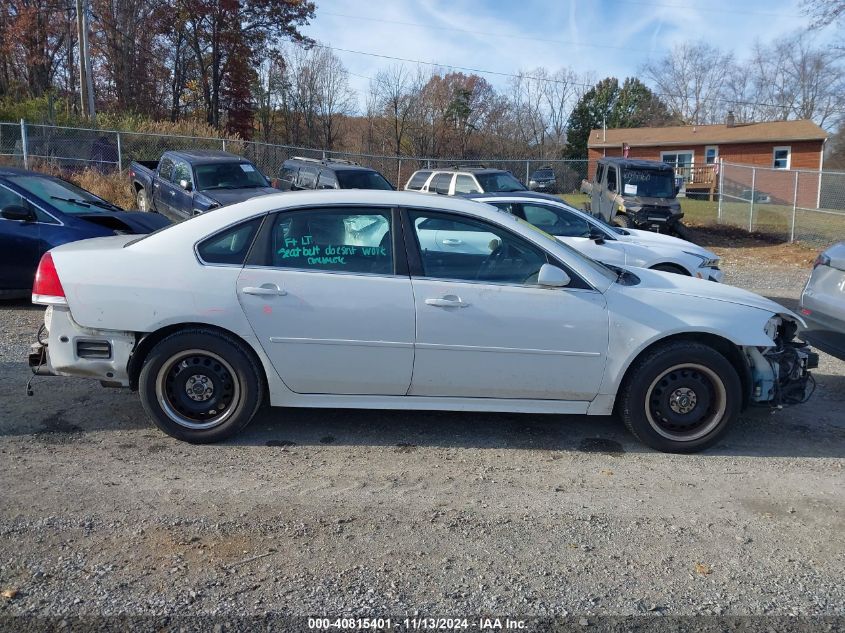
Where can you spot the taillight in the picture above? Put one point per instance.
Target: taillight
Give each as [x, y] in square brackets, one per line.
[821, 260]
[47, 289]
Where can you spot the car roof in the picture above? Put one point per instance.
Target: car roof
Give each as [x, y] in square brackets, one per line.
[526, 195]
[17, 171]
[636, 163]
[330, 164]
[206, 155]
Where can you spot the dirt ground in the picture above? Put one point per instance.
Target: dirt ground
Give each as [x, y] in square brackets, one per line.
[399, 513]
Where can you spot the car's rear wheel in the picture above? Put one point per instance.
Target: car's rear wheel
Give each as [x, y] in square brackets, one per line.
[680, 397]
[622, 221]
[200, 386]
[141, 200]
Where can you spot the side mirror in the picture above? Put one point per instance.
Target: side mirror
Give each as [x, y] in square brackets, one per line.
[552, 277]
[186, 185]
[18, 213]
[597, 236]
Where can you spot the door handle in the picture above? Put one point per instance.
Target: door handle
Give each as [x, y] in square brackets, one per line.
[172, 193]
[265, 290]
[449, 301]
[452, 242]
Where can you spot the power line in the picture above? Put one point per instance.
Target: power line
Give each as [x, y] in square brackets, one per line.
[535, 78]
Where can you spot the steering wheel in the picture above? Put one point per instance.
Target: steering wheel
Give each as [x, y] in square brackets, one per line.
[488, 266]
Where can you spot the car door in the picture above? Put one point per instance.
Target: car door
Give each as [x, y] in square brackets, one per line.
[182, 189]
[486, 330]
[608, 192]
[162, 186]
[330, 304]
[438, 235]
[572, 229]
[19, 244]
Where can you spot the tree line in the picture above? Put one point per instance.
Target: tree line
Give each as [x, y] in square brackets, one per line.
[244, 67]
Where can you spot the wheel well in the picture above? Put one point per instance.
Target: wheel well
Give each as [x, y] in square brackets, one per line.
[148, 341]
[138, 186]
[722, 345]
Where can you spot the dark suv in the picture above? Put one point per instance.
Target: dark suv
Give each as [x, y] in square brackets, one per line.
[543, 179]
[300, 173]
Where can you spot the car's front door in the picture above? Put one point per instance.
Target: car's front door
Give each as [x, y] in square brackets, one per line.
[331, 305]
[162, 187]
[182, 189]
[608, 193]
[485, 329]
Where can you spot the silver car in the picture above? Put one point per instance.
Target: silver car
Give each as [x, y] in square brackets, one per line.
[823, 302]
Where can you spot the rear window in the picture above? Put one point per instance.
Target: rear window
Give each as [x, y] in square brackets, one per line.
[418, 180]
[231, 245]
[544, 173]
[350, 179]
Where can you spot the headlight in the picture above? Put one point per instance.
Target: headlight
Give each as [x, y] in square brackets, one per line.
[706, 262]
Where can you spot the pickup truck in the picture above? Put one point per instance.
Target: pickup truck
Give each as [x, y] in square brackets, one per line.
[189, 182]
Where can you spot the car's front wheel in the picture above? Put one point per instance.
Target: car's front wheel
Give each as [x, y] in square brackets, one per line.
[200, 386]
[141, 200]
[680, 397]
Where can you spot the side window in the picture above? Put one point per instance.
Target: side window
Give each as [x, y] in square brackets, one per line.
[440, 183]
[494, 256]
[230, 246]
[10, 198]
[181, 171]
[466, 184]
[599, 172]
[326, 180]
[333, 240]
[507, 207]
[556, 221]
[418, 180]
[307, 178]
[611, 179]
[288, 174]
[165, 169]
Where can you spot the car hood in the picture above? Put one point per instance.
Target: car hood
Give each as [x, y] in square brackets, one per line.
[135, 222]
[649, 238]
[231, 196]
[683, 286]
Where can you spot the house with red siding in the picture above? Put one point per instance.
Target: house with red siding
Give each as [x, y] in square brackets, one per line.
[695, 151]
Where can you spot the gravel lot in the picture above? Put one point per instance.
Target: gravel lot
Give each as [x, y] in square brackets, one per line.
[400, 513]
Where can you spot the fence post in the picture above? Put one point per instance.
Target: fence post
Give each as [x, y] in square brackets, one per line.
[751, 208]
[24, 145]
[526, 172]
[119, 153]
[224, 144]
[794, 207]
[399, 175]
[721, 182]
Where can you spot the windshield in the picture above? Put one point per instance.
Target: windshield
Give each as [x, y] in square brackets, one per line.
[648, 183]
[499, 181]
[228, 176]
[598, 267]
[543, 173]
[64, 196]
[349, 179]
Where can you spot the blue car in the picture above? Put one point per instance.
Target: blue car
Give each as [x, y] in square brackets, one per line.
[38, 212]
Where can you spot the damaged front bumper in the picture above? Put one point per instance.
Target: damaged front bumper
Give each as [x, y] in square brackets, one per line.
[781, 374]
[69, 349]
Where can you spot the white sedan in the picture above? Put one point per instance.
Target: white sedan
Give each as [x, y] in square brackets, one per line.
[609, 244]
[327, 299]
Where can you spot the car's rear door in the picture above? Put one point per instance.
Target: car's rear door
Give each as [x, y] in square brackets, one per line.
[486, 330]
[331, 305]
[19, 245]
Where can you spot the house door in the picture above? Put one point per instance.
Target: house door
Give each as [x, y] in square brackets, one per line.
[682, 161]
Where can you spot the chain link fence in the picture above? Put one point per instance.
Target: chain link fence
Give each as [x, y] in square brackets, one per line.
[794, 205]
[108, 150]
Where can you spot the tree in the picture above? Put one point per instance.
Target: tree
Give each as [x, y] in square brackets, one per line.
[689, 80]
[824, 12]
[396, 100]
[631, 105]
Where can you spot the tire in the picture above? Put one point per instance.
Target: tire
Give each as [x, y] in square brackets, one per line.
[690, 413]
[622, 221]
[190, 375]
[679, 230]
[671, 268]
[141, 200]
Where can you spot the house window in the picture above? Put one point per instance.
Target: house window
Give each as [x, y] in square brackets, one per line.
[781, 157]
[711, 154]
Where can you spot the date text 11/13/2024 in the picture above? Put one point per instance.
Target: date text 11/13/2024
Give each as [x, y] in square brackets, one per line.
[416, 624]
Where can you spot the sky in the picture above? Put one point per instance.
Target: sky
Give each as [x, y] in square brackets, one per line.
[601, 37]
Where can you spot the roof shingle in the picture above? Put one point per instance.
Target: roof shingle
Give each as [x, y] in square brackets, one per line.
[767, 131]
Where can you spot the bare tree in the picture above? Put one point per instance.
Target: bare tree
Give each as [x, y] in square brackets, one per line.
[689, 79]
[396, 100]
[335, 99]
